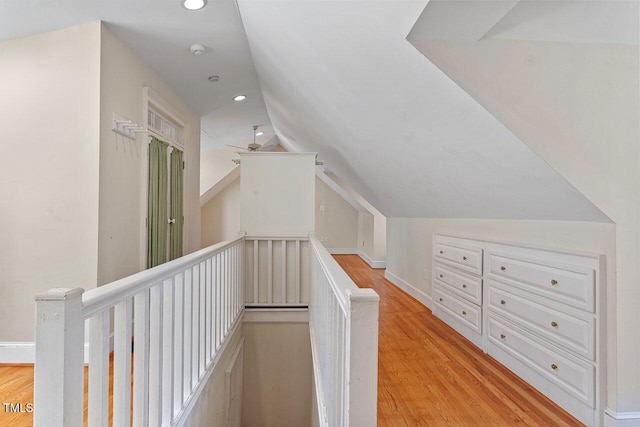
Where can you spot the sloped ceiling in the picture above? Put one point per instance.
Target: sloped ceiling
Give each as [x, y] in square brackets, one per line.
[340, 78]
[561, 75]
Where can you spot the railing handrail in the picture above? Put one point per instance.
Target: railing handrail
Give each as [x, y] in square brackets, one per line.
[104, 297]
[343, 324]
[341, 284]
[289, 237]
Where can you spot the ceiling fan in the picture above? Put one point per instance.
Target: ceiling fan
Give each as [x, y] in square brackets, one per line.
[250, 147]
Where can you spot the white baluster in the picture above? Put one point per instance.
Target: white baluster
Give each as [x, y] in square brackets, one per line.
[99, 370]
[155, 355]
[140, 360]
[188, 335]
[167, 351]
[178, 342]
[255, 272]
[122, 363]
[269, 271]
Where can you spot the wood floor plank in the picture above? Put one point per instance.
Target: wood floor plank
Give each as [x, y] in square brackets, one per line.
[16, 386]
[429, 375]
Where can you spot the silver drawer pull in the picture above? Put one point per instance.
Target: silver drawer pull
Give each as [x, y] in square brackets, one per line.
[554, 366]
[502, 336]
[503, 268]
[464, 312]
[503, 302]
[554, 324]
[464, 286]
[554, 282]
[464, 258]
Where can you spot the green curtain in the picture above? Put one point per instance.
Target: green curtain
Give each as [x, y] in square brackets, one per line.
[176, 228]
[157, 205]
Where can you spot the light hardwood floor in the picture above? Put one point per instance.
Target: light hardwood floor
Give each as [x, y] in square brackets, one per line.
[16, 386]
[429, 375]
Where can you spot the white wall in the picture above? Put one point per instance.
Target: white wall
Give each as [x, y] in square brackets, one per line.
[277, 193]
[215, 164]
[338, 221]
[50, 90]
[209, 408]
[278, 375]
[577, 106]
[123, 162]
[372, 225]
[365, 233]
[220, 217]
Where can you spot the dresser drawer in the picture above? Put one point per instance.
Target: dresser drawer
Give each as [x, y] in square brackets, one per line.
[465, 285]
[574, 334]
[573, 286]
[465, 258]
[568, 373]
[469, 314]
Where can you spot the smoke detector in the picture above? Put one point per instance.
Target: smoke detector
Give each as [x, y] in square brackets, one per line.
[196, 49]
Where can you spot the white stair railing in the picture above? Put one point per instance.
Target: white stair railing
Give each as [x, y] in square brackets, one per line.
[277, 271]
[179, 316]
[343, 321]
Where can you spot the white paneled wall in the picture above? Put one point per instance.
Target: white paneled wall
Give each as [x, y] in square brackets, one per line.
[276, 271]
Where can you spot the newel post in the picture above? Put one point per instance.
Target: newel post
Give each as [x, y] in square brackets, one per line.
[363, 360]
[59, 363]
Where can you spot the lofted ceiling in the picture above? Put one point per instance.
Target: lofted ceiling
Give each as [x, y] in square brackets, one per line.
[341, 79]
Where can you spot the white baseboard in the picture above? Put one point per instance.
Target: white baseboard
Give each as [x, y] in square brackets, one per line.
[17, 352]
[342, 251]
[25, 352]
[350, 251]
[372, 263]
[421, 296]
[621, 419]
[274, 315]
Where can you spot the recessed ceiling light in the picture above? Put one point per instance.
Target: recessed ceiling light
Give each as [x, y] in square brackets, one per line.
[240, 97]
[194, 4]
[259, 133]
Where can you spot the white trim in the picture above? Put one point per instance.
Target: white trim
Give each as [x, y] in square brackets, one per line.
[372, 263]
[17, 352]
[421, 296]
[342, 251]
[339, 190]
[216, 188]
[365, 257]
[621, 419]
[275, 315]
[25, 352]
[183, 416]
[322, 413]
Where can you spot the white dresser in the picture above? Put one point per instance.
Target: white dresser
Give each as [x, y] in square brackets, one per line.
[457, 286]
[536, 311]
